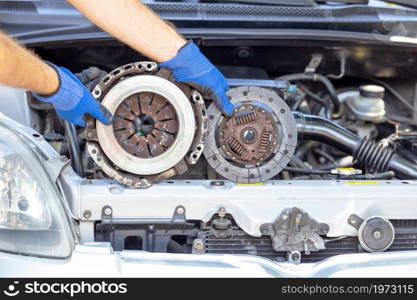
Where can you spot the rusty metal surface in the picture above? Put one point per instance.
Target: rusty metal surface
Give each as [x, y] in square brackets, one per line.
[249, 136]
[273, 143]
[145, 125]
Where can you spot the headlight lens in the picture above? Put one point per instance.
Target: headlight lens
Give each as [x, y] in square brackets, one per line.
[32, 218]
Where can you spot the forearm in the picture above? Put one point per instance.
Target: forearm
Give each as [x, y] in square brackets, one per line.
[22, 69]
[135, 24]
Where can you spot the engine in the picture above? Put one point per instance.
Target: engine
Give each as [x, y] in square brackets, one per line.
[161, 128]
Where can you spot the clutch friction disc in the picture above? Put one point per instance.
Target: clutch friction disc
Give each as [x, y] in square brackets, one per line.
[257, 141]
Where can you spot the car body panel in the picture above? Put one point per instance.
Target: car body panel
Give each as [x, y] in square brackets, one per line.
[98, 260]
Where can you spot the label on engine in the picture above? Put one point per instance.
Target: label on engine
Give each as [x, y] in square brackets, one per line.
[362, 182]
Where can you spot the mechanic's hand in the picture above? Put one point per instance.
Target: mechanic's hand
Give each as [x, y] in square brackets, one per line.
[72, 101]
[192, 67]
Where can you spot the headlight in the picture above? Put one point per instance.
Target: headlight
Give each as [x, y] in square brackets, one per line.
[32, 218]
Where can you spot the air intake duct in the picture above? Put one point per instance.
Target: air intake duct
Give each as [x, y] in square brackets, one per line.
[368, 154]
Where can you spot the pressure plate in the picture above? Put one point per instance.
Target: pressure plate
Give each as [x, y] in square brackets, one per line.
[158, 128]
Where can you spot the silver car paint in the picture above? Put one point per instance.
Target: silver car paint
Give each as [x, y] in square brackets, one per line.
[329, 201]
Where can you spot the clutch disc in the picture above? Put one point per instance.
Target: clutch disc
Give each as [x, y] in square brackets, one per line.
[257, 141]
[146, 125]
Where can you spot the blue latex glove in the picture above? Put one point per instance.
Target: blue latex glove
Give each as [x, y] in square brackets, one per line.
[192, 67]
[72, 101]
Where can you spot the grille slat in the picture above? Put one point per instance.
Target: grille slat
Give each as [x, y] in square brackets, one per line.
[405, 239]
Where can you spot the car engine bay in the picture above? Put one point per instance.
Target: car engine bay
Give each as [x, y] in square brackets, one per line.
[322, 138]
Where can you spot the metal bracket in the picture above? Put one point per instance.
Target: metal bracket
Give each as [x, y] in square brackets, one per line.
[106, 212]
[314, 63]
[355, 221]
[178, 217]
[179, 212]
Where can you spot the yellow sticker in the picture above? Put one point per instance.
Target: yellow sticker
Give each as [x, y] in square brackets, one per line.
[255, 183]
[345, 169]
[362, 182]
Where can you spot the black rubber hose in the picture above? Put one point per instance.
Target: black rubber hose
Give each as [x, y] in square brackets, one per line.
[367, 154]
[376, 176]
[306, 171]
[315, 98]
[74, 148]
[325, 131]
[318, 78]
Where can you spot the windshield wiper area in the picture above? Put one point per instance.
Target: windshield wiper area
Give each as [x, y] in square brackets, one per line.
[273, 2]
[409, 3]
[293, 2]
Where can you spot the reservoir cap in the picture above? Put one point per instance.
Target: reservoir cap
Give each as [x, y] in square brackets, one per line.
[372, 91]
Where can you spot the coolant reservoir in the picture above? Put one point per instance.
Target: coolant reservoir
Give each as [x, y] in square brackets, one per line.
[369, 104]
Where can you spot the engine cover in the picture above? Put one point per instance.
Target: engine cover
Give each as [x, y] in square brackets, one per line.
[159, 125]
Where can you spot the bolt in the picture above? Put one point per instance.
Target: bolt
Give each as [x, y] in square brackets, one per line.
[264, 229]
[295, 256]
[324, 228]
[180, 210]
[143, 182]
[377, 235]
[352, 220]
[107, 211]
[87, 214]
[90, 134]
[198, 244]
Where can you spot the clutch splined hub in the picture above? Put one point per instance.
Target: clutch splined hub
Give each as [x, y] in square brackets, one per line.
[159, 126]
[257, 141]
[249, 136]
